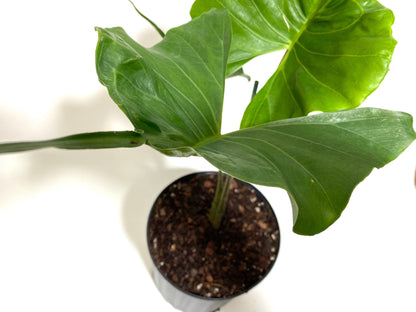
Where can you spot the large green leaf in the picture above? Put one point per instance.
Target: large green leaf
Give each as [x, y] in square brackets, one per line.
[173, 91]
[338, 52]
[318, 159]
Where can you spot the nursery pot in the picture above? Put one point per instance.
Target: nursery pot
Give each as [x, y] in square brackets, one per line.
[198, 268]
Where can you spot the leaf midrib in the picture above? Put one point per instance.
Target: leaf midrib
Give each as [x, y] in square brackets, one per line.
[289, 50]
[309, 19]
[263, 128]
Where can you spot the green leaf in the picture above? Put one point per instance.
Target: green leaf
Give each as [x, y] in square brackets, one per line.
[338, 52]
[318, 159]
[94, 140]
[174, 91]
[258, 27]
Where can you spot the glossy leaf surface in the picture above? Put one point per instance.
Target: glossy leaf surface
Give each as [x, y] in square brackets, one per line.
[173, 91]
[318, 159]
[338, 52]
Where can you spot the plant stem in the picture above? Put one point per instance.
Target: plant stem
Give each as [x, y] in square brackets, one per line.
[92, 140]
[219, 203]
[256, 85]
[218, 206]
[157, 28]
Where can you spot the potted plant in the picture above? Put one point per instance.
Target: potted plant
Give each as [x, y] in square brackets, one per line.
[337, 54]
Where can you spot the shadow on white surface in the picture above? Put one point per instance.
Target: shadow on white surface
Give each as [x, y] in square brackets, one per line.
[253, 301]
[139, 201]
[51, 165]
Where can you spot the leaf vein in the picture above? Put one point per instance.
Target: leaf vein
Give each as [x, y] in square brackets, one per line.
[295, 161]
[343, 28]
[244, 25]
[335, 55]
[315, 78]
[203, 62]
[161, 76]
[276, 31]
[160, 101]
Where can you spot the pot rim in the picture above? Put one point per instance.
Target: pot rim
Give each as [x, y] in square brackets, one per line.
[258, 193]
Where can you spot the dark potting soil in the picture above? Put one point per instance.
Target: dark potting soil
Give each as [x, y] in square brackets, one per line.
[201, 260]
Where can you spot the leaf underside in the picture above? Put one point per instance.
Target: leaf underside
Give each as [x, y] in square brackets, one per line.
[173, 91]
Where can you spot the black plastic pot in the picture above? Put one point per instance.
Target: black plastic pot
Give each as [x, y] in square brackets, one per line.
[184, 300]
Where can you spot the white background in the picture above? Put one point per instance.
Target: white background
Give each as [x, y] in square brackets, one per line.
[72, 223]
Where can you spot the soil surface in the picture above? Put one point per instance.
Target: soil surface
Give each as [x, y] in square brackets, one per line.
[201, 260]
